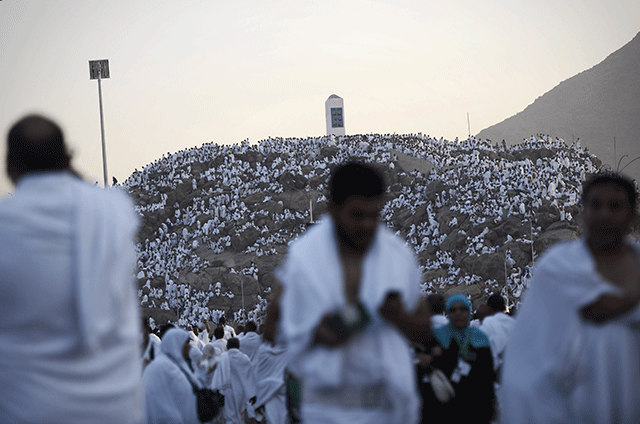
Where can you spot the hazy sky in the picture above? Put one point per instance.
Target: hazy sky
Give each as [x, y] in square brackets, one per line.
[184, 73]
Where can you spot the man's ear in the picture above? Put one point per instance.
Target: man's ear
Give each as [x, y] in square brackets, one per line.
[12, 172]
[332, 208]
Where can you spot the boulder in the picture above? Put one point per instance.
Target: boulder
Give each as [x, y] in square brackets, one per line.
[444, 216]
[273, 208]
[435, 187]
[549, 238]
[292, 181]
[455, 241]
[488, 266]
[473, 291]
[297, 200]
[316, 182]
[244, 239]
[401, 219]
[512, 226]
[255, 198]
[520, 252]
[433, 274]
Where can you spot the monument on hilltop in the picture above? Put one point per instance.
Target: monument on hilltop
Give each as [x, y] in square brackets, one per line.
[334, 112]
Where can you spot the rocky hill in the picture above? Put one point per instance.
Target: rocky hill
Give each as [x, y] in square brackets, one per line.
[595, 106]
[216, 220]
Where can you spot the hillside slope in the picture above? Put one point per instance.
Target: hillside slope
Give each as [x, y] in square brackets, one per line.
[217, 219]
[594, 106]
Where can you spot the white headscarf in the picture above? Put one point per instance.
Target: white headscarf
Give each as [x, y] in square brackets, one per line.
[169, 395]
[172, 344]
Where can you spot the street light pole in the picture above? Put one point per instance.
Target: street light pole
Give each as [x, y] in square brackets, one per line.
[104, 149]
[99, 69]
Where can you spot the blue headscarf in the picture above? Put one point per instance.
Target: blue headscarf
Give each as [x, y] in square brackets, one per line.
[464, 337]
[458, 298]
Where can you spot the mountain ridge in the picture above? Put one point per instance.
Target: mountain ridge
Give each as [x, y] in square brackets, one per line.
[594, 106]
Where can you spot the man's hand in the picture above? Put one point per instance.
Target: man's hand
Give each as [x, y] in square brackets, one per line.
[608, 307]
[392, 309]
[425, 359]
[416, 327]
[270, 324]
[326, 335]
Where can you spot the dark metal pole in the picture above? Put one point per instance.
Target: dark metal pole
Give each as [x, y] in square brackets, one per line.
[104, 149]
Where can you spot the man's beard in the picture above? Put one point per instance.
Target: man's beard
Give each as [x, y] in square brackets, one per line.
[354, 245]
[605, 238]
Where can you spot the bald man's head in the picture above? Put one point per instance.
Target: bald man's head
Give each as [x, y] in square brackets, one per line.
[35, 144]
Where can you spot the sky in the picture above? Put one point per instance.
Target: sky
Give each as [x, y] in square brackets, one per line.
[184, 73]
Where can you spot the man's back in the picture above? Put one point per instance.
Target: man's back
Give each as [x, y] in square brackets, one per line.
[235, 378]
[250, 343]
[498, 328]
[69, 336]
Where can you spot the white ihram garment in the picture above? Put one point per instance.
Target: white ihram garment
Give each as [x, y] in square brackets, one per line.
[559, 368]
[249, 344]
[269, 364]
[69, 328]
[498, 328]
[235, 379]
[229, 332]
[220, 344]
[168, 392]
[379, 356]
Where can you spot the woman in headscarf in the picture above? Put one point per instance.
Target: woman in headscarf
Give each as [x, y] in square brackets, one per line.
[207, 365]
[168, 392]
[466, 361]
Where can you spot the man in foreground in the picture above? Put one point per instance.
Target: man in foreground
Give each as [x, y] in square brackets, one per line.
[573, 355]
[69, 326]
[350, 301]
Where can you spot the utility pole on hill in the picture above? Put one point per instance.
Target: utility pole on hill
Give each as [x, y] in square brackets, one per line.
[99, 69]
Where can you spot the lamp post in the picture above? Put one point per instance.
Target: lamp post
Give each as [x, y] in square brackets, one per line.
[99, 69]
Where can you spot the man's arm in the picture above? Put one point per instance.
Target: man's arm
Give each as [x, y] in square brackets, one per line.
[273, 315]
[608, 307]
[417, 326]
[326, 335]
[624, 272]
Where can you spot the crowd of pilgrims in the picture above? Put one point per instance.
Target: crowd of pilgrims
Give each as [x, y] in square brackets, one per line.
[248, 372]
[481, 180]
[251, 370]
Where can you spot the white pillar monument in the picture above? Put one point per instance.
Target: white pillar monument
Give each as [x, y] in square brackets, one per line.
[334, 112]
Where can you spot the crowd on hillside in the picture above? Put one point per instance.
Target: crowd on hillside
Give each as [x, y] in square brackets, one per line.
[481, 181]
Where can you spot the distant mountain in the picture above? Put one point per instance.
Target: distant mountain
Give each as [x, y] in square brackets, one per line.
[594, 106]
